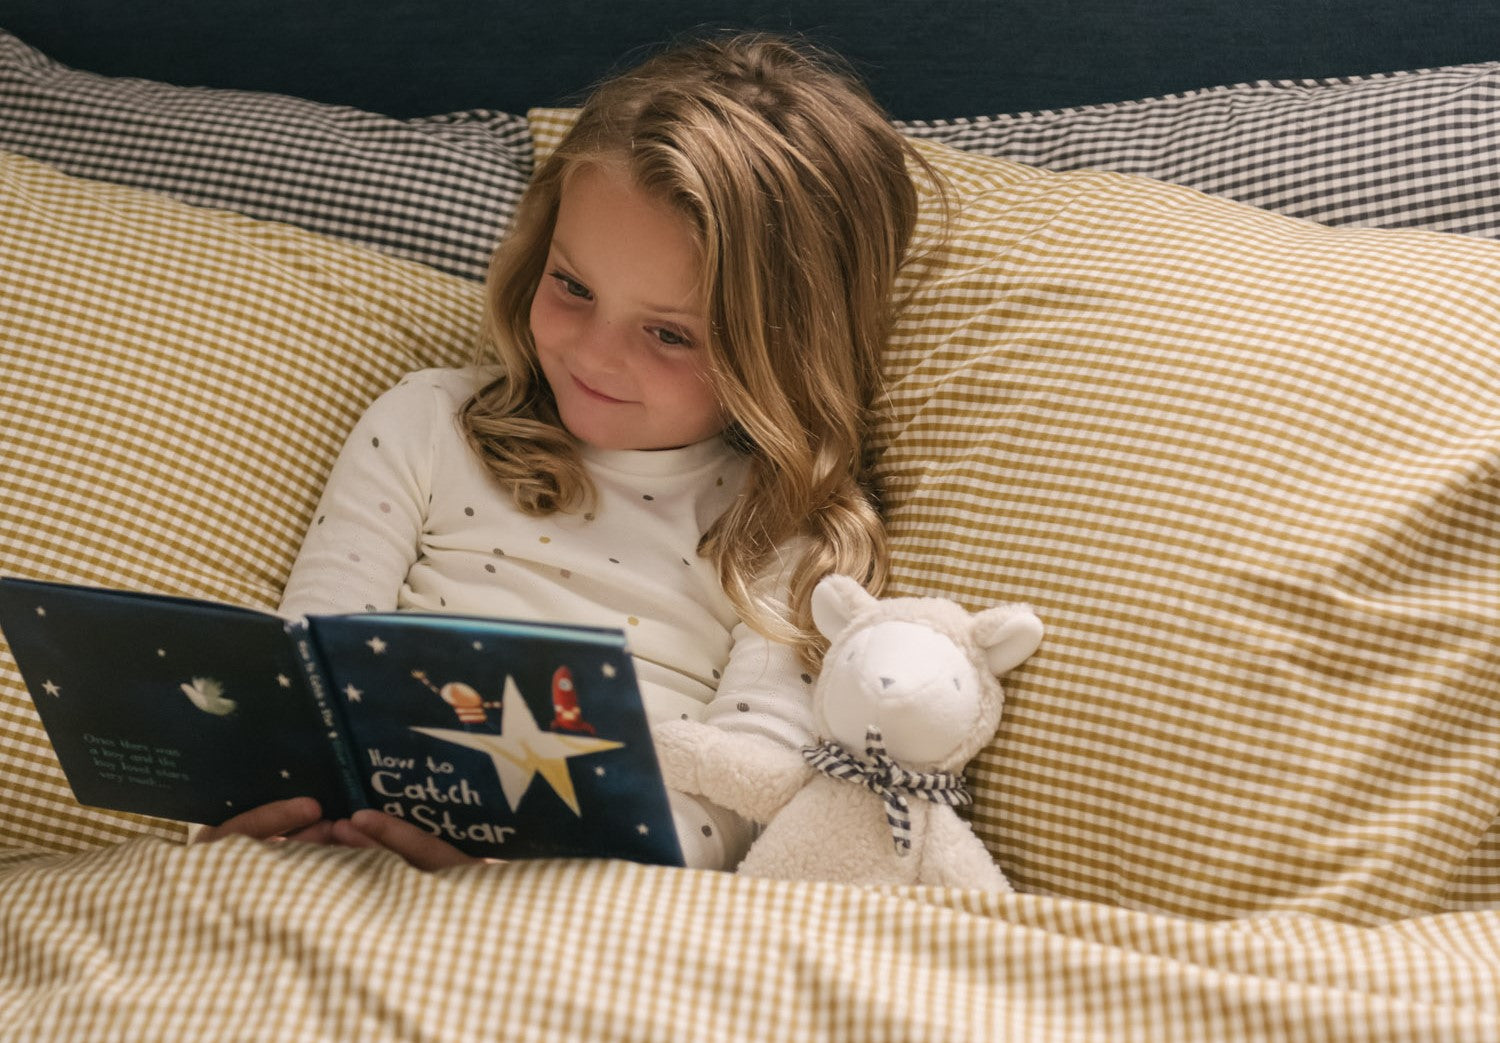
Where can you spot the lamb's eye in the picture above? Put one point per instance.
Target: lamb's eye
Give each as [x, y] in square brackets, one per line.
[958, 685]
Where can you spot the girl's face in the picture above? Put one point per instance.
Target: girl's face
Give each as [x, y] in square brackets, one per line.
[619, 330]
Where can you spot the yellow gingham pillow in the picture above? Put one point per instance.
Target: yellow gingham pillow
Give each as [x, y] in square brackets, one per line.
[1245, 467]
[174, 385]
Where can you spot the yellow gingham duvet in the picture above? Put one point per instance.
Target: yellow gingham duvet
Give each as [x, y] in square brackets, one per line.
[237, 941]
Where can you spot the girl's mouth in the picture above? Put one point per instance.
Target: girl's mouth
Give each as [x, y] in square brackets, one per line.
[596, 395]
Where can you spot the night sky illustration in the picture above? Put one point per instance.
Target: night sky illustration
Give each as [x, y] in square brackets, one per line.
[485, 731]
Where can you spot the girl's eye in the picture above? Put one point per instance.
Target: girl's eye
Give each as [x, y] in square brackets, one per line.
[671, 338]
[572, 287]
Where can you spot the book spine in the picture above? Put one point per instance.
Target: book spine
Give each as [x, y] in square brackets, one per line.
[328, 713]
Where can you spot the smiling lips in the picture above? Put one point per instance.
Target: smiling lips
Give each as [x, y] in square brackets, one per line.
[597, 395]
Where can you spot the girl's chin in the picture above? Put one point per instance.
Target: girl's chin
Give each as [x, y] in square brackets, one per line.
[616, 440]
[599, 436]
[627, 433]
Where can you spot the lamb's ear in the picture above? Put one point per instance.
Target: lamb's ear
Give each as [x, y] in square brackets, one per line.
[835, 600]
[1008, 636]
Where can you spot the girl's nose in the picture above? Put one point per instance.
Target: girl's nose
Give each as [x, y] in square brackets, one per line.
[601, 345]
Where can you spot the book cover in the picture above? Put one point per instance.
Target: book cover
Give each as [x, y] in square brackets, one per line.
[507, 738]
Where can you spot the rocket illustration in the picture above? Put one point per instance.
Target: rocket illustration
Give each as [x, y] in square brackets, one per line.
[566, 714]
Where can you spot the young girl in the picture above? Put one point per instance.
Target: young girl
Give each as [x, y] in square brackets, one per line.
[684, 329]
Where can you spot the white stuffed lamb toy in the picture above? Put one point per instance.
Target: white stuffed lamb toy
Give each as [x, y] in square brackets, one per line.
[907, 696]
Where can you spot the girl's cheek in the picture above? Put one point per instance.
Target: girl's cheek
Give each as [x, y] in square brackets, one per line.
[548, 319]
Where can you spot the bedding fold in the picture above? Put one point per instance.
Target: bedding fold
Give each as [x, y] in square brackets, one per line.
[151, 940]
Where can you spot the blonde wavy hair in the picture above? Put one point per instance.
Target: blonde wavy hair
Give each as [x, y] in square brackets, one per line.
[797, 191]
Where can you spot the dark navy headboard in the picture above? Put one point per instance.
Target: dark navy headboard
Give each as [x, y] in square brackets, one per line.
[924, 58]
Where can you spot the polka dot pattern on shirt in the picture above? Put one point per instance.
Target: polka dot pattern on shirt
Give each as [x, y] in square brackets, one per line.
[631, 559]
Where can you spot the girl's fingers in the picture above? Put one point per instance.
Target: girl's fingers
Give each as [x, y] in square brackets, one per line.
[269, 820]
[347, 836]
[320, 832]
[412, 843]
[301, 819]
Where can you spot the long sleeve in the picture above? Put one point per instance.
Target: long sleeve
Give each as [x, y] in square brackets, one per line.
[410, 519]
[765, 690]
[765, 695]
[366, 532]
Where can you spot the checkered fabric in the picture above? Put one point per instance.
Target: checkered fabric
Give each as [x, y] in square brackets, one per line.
[174, 385]
[439, 190]
[248, 942]
[1243, 467]
[1408, 150]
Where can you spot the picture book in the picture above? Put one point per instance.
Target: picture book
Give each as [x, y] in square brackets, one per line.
[509, 739]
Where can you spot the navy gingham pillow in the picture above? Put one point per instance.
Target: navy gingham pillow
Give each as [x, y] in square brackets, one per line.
[439, 190]
[1399, 150]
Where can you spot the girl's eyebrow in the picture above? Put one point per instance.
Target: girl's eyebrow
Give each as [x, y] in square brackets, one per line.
[562, 255]
[675, 313]
[672, 312]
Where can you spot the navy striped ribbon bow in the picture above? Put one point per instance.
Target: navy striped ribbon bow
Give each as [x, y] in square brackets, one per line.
[877, 772]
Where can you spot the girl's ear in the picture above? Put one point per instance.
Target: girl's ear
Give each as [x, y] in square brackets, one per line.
[1007, 635]
[835, 600]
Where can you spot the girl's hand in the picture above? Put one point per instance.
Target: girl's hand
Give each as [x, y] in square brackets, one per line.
[420, 848]
[299, 818]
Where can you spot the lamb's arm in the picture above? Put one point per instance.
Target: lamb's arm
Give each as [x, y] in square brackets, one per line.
[955, 857]
[750, 775]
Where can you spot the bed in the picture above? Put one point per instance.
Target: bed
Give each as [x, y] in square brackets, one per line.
[1204, 369]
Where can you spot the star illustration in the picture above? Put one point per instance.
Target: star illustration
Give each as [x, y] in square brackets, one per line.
[283, 680]
[523, 750]
[51, 688]
[352, 694]
[609, 669]
[377, 646]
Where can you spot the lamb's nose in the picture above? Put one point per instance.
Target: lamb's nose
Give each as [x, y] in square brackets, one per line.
[886, 682]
